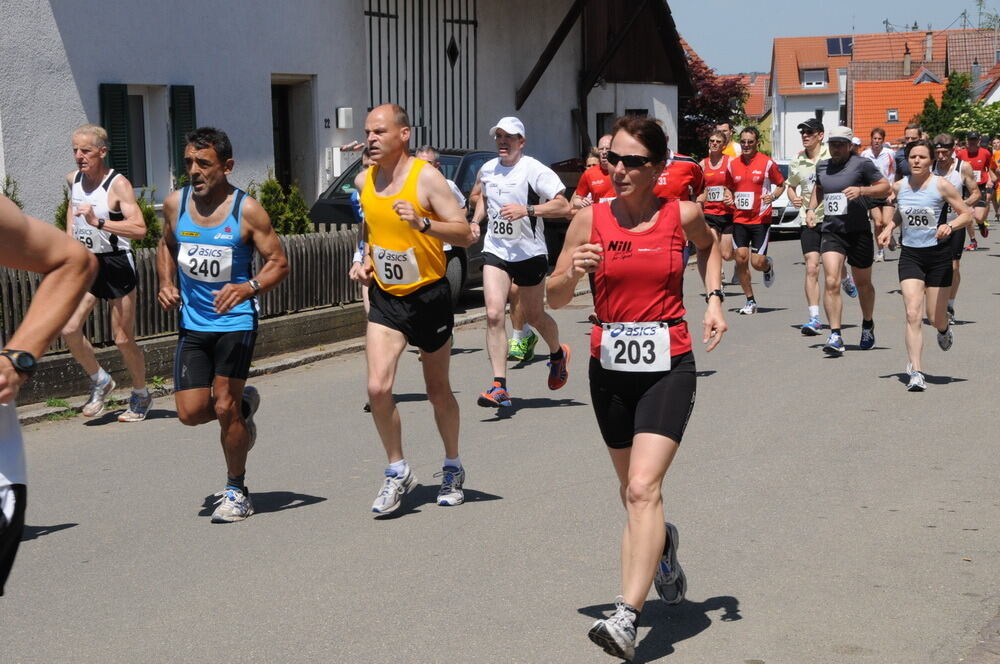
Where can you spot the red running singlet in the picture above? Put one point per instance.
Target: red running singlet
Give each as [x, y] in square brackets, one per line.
[641, 276]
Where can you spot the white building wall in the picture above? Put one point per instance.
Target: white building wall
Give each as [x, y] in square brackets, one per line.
[659, 99]
[790, 110]
[54, 55]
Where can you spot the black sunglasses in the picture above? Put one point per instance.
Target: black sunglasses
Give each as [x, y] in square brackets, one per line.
[806, 132]
[630, 160]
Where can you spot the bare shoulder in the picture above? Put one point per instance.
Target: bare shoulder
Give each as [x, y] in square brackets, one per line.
[70, 177]
[255, 215]
[171, 203]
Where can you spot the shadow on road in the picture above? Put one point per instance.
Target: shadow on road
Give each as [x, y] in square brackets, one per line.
[112, 416]
[903, 378]
[34, 532]
[267, 501]
[426, 494]
[672, 624]
[537, 402]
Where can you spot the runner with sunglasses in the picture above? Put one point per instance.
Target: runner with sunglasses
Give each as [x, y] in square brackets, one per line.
[757, 182]
[959, 173]
[843, 184]
[642, 370]
[925, 267]
[717, 198]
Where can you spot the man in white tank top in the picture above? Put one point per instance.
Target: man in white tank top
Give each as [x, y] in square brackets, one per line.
[30, 244]
[103, 215]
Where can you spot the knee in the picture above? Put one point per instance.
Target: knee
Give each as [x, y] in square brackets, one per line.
[742, 258]
[832, 283]
[439, 394]
[189, 419]
[812, 270]
[73, 330]
[379, 390]
[226, 409]
[641, 494]
[914, 315]
[495, 317]
[123, 339]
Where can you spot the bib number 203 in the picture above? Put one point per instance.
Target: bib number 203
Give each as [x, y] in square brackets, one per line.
[633, 352]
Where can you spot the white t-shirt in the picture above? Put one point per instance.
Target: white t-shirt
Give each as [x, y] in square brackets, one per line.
[528, 182]
[12, 470]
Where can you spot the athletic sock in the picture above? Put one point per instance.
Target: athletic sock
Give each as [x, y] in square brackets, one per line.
[100, 377]
[634, 610]
[142, 393]
[867, 324]
[752, 299]
[518, 334]
[814, 311]
[453, 463]
[238, 482]
[400, 467]
[556, 356]
[951, 303]
[835, 331]
[501, 381]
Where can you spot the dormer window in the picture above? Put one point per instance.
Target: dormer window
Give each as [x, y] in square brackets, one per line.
[892, 115]
[814, 78]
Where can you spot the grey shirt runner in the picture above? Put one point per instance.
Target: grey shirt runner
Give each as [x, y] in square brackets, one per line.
[842, 215]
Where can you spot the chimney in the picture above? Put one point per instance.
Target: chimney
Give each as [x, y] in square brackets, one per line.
[929, 50]
[976, 71]
[906, 61]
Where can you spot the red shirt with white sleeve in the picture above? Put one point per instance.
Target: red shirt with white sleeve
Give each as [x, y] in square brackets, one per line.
[681, 178]
[751, 180]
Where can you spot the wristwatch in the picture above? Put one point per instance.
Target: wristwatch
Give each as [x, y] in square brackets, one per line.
[100, 224]
[530, 210]
[23, 361]
[427, 225]
[719, 293]
[255, 285]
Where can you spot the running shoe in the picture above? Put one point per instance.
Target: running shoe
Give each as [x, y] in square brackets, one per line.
[367, 408]
[847, 283]
[813, 327]
[972, 246]
[670, 582]
[138, 408]
[251, 397]
[880, 256]
[233, 505]
[769, 273]
[393, 489]
[984, 229]
[98, 394]
[867, 338]
[514, 349]
[749, 308]
[951, 315]
[834, 345]
[946, 339]
[494, 397]
[450, 493]
[917, 382]
[559, 369]
[522, 350]
[616, 635]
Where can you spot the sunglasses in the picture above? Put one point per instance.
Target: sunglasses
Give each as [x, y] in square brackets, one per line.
[715, 141]
[630, 160]
[806, 132]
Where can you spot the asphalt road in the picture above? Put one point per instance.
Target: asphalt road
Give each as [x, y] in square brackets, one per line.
[826, 514]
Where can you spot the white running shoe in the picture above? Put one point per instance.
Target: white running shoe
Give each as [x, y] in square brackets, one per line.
[670, 582]
[393, 489]
[769, 273]
[233, 505]
[138, 408]
[880, 256]
[451, 493]
[917, 382]
[98, 394]
[946, 339]
[749, 308]
[616, 635]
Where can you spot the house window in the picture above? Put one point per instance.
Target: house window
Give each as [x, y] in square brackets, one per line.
[605, 123]
[892, 115]
[637, 112]
[814, 78]
[137, 140]
[839, 46]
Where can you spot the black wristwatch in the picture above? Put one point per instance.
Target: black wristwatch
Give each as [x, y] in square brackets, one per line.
[722, 296]
[100, 224]
[427, 225]
[23, 361]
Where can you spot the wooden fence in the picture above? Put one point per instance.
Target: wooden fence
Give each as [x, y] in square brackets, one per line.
[319, 263]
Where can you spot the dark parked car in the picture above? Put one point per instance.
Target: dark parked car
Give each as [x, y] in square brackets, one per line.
[332, 210]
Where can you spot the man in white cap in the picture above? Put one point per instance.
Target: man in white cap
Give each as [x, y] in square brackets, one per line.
[518, 192]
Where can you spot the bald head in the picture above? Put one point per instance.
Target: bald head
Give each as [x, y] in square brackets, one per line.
[387, 133]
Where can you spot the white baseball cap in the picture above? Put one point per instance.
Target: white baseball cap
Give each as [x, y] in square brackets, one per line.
[839, 134]
[509, 124]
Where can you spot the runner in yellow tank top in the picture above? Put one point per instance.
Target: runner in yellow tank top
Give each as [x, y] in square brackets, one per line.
[409, 211]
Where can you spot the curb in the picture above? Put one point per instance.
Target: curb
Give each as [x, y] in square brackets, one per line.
[35, 413]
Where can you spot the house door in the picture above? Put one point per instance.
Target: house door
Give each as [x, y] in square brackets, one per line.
[281, 126]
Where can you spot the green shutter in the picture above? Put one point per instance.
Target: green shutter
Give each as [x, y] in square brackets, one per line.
[182, 120]
[114, 119]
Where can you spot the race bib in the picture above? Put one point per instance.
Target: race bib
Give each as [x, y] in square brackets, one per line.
[918, 217]
[834, 204]
[714, 195]
[635, 347]
[93, 239]
[505, 230]
[744, 200]
[976, 175]
[206, 262]
[396, 267]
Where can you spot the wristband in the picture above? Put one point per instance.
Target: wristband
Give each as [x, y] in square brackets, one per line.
[357, 257]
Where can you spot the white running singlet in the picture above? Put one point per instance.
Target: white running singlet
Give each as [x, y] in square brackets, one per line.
[528, 182]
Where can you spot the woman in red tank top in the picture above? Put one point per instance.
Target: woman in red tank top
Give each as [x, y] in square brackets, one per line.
[642, 374]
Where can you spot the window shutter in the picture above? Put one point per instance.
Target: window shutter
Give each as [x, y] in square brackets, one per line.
[182, 120]
[114, 119]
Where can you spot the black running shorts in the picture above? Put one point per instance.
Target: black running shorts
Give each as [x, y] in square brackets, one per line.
[425, 316]
[931, 265]
[628, 403]
[720, 223]
[529, 272]
[858, 246]
[116, 275]
[11, 531]
[957, 244]
[201, 356]
[810, 239]
[984, 197]
[752, 235]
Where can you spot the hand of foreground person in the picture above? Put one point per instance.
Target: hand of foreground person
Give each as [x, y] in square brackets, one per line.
[715, 324]
[362, 272]
[10, 381]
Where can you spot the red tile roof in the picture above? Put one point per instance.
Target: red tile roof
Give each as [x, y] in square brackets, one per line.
[892, 45]
[759, 90]
[873, 99]
[969, 46]
[793, 54]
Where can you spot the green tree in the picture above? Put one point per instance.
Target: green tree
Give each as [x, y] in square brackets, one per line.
[288, 211]
[982, 118]
[10, 190]
[954, 101]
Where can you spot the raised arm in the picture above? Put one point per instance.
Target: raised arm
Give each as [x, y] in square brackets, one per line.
[435, 194]
[578, 257]
[168, 295]
[710, 268]
[133, 226]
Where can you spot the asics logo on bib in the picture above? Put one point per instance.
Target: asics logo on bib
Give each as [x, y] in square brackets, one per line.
[392, 257]
[634, 331]
[205, 252]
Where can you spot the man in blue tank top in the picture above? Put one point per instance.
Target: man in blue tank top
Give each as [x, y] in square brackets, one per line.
[204, 262]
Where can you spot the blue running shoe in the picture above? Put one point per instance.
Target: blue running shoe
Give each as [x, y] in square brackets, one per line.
[834, 345]
[813, 327]
[847, 283]
[867, 338]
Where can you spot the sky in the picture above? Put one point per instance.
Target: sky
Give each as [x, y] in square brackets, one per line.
[741, 42]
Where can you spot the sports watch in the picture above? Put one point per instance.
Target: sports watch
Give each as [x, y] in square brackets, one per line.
[23, 361]
[719, 293]
[255, 285]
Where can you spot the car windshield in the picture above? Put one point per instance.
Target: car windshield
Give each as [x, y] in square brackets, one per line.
[470, 169]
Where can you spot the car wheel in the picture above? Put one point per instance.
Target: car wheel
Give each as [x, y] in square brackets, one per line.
[454, 275]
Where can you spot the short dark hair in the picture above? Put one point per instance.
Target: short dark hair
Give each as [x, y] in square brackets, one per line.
[879, 131]
[917, 143]
[728, 123]
[750, 129]
[914, 125]
[400, 115]
[210, 137]
[431, 149]
[647, 131]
